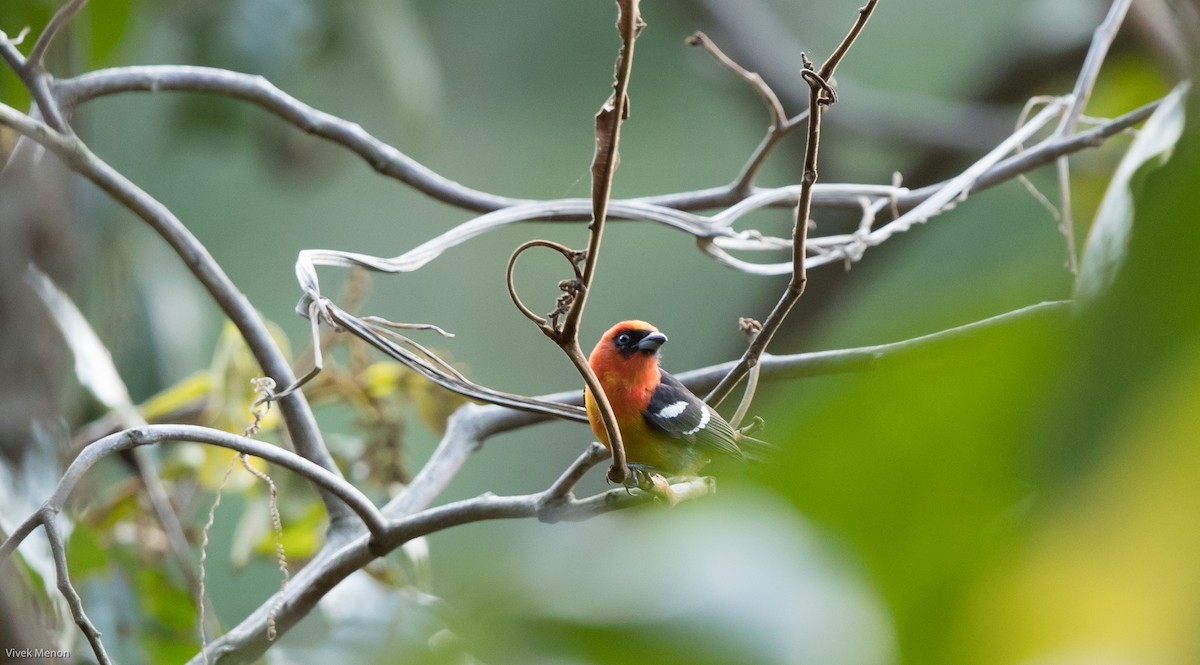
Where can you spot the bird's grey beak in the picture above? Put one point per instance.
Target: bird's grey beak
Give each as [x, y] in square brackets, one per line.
[651, 342]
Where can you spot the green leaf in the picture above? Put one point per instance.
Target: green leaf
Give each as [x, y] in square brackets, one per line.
[170, 605]
[303, 531]
[85, 553]
[1108, 241]
[302, 534]
[108, 22]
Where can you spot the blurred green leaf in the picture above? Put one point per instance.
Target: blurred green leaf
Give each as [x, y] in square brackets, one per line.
[302, 534]
[168, 631]
[108, 23]
[164, 600]
[919, 465]
[143, 613]
[1144, 323]
[167, 646]
[85, 553]
[1107, 242]
[303, 530]
[1107, 571]
[125, 506]
[112, 604]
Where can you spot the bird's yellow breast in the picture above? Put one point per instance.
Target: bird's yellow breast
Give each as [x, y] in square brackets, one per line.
[643, 445]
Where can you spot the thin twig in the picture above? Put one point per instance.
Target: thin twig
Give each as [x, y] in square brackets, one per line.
[951, 191]
[780, 125]
[57, 22]
[277, 530]
[934, 202]
[774, 368]
[258, 410]
[561, 488]
[820, 96]
[835, 58]
[768, 96]
[1101, 41]
[604, 162]
[744, 183]
[160, 502]
[743, 407]
[424, 351]
[751, 329]
[68, 590]
[1043, 153]
[618, 471]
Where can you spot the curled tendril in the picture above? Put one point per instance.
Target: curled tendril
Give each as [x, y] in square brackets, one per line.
[829, 95]
[571, 288]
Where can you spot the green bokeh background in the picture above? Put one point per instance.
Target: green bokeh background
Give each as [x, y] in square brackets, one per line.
[1025, 495]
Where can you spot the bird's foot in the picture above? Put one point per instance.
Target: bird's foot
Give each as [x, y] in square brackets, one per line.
[650, 480]
[639, 476]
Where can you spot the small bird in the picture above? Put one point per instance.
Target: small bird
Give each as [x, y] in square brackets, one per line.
[665, 428]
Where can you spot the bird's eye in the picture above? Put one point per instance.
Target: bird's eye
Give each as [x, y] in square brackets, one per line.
[624, 339]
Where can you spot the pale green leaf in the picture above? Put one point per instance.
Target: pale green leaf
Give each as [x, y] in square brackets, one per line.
[1108, 240]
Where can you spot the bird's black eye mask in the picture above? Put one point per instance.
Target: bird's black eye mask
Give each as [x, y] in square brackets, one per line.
[630, 341]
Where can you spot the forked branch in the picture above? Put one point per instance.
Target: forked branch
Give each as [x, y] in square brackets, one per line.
[821, 95]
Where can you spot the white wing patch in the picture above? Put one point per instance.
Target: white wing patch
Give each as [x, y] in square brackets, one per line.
[674, 409]
[704, 417]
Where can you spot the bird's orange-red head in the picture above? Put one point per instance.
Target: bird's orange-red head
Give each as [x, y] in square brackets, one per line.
[625, 361]
[628, 352]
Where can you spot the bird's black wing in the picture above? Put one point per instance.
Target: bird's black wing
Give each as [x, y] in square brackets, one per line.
[676, 412]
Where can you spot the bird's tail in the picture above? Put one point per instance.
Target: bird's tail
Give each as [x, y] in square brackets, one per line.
[752, 448]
